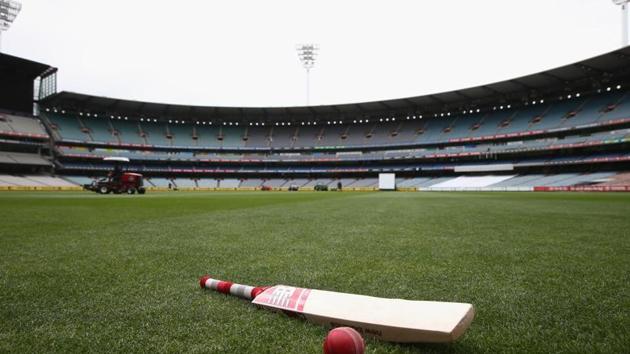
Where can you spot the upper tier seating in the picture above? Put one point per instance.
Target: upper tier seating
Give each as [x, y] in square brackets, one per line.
[129, 132]
[12, 124]
[67, 128]
[374, 155]
[390, 131]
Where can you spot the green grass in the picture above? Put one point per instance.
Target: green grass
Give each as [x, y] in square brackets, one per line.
[84, 272]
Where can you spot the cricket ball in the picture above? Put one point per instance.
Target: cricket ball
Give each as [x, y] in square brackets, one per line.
[344, 340]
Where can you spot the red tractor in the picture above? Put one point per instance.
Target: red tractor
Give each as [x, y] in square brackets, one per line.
[118, 181]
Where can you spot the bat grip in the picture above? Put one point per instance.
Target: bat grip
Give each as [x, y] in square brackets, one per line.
[229, 288]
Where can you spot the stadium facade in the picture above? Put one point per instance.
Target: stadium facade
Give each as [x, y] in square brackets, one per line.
[566, 128]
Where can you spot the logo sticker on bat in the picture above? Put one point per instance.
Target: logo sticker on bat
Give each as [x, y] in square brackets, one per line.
[284, 298]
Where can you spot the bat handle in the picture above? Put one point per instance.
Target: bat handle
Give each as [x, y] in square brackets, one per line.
[229, 288]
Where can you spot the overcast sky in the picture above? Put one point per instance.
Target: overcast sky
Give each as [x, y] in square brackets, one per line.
[242, 52]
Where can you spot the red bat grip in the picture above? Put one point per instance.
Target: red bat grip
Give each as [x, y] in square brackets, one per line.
[229, 288]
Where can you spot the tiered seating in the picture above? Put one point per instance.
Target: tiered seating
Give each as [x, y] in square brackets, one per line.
[185, 183]
[50, 181]
[251, 183]
[519, 181]
[619, 109]
[155, 134]
[128, 131]
[282, 137]
[560, 114]
[207, 183]
[67, 128]
[21, 125]
[274, 183]
[344, 182]
[232, 136]
[313, 182]
[208, 136]
[471, 182]
[300, 182]
[20, 158]
[80, 180]
[365, 183]
[620, 179]
[182, 135]
[159, 182]
[100, 130]
[33, 181]
[229, 183]
[411, 182]
[16, 181]
[556, 180]
[4, 126]
[257, 137]
[569, 181]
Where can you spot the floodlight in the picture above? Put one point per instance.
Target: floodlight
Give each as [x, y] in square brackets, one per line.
[624, 20]
[307, 53]
[9, 9]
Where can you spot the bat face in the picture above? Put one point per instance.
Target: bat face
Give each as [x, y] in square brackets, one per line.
[393, 320]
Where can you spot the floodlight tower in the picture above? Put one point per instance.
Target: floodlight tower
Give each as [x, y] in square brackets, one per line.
[307, 54]
[9, 10]
[624, 20]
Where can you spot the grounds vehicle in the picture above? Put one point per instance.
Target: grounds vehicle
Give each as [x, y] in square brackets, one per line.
[294, 187]
[265, 188]
[128, 182]
[321, 187]
[118, 181]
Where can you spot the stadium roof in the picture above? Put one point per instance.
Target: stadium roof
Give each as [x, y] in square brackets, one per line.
[16, 82]
[23, 67]
[585, 76]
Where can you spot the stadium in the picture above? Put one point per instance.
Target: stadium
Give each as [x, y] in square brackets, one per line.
[510, 196]
[562, 129]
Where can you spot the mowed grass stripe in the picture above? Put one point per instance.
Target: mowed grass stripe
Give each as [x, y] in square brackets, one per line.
[547, 272]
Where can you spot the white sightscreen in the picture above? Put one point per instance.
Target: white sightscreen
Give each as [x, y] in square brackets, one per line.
[387, 181]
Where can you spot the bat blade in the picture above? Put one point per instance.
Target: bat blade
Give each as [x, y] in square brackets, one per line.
[393, 320]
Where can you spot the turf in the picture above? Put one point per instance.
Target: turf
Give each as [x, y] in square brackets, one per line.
[83, 272]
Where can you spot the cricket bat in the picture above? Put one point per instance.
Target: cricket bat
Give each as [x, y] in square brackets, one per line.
[393, 320]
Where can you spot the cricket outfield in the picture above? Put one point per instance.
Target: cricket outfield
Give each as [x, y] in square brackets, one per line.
[547, 272]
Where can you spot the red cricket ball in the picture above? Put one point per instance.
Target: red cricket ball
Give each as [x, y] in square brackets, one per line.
[344, 340]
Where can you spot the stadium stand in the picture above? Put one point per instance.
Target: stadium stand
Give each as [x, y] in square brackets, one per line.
[159, 182]
[471, 181]
[620, 179]
[229, 183]
[185, 183]
[21, 158]
[79, 180]
[522, 133]
[21, 126]
[207, 183]
[252, 183]
[34, 181]
[560, 115]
